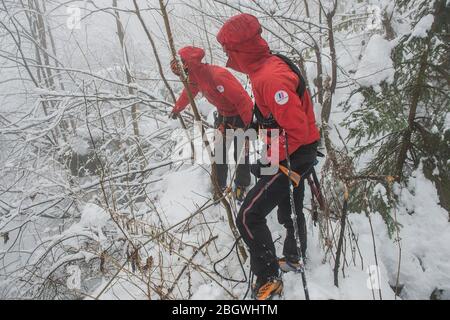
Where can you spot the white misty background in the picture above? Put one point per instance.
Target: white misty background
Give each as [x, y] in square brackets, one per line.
[97, 203]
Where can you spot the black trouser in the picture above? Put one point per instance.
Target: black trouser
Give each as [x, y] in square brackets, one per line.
[269, 192]
[243, 168]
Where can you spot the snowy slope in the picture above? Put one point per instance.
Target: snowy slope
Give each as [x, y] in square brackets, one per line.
[424, 259]
[52, 220]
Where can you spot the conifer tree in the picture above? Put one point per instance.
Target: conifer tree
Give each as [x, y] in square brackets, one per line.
[405, 124]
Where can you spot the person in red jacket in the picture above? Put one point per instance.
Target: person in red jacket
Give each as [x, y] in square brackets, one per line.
[282, 102]
[233, 104]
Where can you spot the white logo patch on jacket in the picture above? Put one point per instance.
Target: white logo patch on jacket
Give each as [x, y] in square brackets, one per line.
[281, 97]
[221, 89]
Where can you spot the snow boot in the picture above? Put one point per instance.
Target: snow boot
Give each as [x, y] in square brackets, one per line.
[267, 288]
[290, 265]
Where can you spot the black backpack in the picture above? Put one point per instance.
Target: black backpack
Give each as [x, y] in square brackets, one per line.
[302, 83]
[270, 122]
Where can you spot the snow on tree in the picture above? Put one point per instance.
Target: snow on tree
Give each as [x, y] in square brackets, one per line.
[100, 198]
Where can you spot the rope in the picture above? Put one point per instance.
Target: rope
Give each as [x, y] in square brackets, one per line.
[240, 262]
[251, 275]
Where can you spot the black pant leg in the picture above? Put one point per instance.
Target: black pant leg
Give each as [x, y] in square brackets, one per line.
[241, 156]
[243, 166]
[221, 154]
[284, 217]
[301, 162]
[252, 224]
[222, 167]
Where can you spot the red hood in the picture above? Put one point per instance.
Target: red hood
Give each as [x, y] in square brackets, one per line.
[191, 56]
[192, 59]
[241, 39]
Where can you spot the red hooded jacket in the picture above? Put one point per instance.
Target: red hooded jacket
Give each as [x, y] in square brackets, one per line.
[217, 84]
[274, 83]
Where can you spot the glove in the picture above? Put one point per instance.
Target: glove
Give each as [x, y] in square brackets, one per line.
[255, 168]
[174, 65]
[173, 115]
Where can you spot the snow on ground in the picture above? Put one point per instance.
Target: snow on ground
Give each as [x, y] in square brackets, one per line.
[424, 234]
[93, 216]
[182, 191]
[121, 289]
[208, 291]
[425, 237]
[425, 261]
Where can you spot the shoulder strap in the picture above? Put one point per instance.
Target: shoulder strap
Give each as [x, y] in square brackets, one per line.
[302, 84]
[270, 121]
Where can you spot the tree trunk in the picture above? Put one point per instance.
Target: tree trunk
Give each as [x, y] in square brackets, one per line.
[341, 239]
[326, 110]
[225, 203]
[161, 73]
[121, 35]
[416, 95]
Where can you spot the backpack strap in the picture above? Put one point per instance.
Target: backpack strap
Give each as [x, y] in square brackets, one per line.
[266, 122]
[302, 83]
[270, 121]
